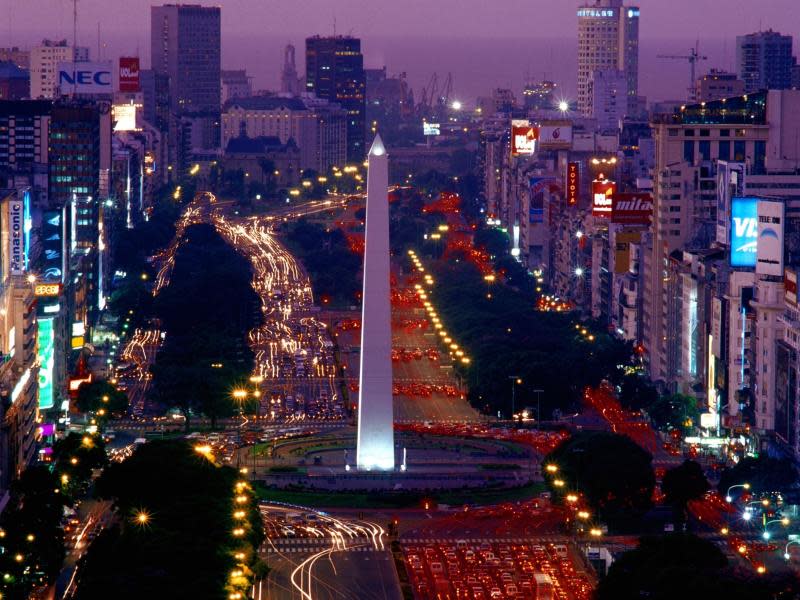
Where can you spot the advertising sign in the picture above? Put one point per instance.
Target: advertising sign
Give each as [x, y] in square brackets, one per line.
[632, 209]
[523, 137]
[573, 183]
[730, 184]
[603, 198]
[46, 357]
[85, 78]
[124, 117]
[622, 250]
[16, 230]
[744, 232]
[52, 246]
[555, 135]
[431, 128]
[790, 286]
[47, 290]
[769, 253]
[129, 74]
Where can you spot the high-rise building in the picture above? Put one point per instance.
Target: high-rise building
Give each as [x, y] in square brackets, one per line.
[24, 141]
[716, 85]
[290, 82]
[335, 72]
[608, 93]
[44, 60]
[764, 61]
[185, 44]
[608, 39]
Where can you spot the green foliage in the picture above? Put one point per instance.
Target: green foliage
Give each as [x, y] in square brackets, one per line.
[207, 310]
[682, 484]
[335, 271]
[77, 455]
[764, 474]
[99, 395]
[35, 509]
[683, 566]
[611, 471]
[186, 547]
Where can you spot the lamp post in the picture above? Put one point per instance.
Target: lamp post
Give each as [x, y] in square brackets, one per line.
[240, 396]
[728, 497]
[786, 554]
[766, 535]
[515, 381]
[538, 407]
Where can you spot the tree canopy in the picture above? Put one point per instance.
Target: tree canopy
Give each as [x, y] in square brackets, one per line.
[764, 474]
[682, 484]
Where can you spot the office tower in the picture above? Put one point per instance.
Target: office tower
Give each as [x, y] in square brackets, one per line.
[609, 102]
[540, 95]
[155, 98]
[44, 60]
[375, 444]
[185, 46]
[764, 61]
[24, 142]
[236, 84]
[335, 72]
[290, 83]
[717, 85]
[608, 39]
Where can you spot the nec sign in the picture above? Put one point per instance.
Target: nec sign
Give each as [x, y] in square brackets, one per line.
[85, 78]
[744, 232]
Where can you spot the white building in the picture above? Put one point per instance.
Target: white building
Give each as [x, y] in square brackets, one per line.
[609, 99]
[608, 39]
[44, 60]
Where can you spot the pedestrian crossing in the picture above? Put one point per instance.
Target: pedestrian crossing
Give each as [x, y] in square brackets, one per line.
[313, 545]
[492, 540]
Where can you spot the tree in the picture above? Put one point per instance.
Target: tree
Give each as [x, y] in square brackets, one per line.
[682, 484]
[764, 474]
[611, 471]
[99, 395]
[684, 566]
[77, 455]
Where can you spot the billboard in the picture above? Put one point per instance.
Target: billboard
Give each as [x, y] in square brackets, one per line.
[553, 136]
[52, 246]
[790, 285]
[632, 209]
[523, 137]
[730, 184]
[573, 183]
[85, 78]
[46, 357]
[124, 117]
[769, 250]
[744, 232]
[16, 236]
[129, 74]
[602, 198]
[622, 249]
[431, 128]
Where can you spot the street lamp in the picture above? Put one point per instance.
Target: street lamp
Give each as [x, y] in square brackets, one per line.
[784, 521]
[515, 381]
[786, 554]
[728, 497]
[538, 407]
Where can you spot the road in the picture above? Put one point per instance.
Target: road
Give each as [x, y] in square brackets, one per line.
[325, 558]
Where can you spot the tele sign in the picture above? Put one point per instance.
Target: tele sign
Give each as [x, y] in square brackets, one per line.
[91, 78]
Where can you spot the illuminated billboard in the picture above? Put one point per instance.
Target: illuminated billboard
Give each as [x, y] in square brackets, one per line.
[632, 209]
[557, 135]
[46, 358]
[431, 128]
[573, 183]
[744, 232]
[124, 117]
[129, 74]
[730, 184]
[16, 236]
[769, 252]
[523, 137]
[603, 198]
[52, 246]
[86, 78]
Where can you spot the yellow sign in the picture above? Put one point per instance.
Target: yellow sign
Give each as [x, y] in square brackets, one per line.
[47, 289]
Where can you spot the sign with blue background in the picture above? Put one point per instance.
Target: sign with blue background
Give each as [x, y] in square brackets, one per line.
[744, 232]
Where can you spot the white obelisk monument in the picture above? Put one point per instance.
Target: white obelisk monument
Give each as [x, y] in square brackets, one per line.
[375, 444]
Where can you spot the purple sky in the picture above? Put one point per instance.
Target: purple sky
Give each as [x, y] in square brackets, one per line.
[420, 36]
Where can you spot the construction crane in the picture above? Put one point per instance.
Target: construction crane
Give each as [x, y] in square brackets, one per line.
[693, 57]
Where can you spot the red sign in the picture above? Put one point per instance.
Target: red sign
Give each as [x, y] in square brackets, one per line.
[632, 209]
[129, 74]
[573, 183]
[603, 198]
[523, 137]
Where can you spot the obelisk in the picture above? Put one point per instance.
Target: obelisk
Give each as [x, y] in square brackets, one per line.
[375, 444]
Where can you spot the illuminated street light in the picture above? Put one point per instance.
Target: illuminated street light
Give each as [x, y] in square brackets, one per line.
[456, 105]
[563, 106]
[551, 468]
[579, 271]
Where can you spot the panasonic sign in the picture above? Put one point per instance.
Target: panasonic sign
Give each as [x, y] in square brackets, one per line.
[744, 232]
[85, 78]
[16, 237]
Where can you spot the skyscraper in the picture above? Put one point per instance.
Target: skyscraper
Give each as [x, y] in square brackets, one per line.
[375, 443]
[335, 72]
[764, 61]
[185, 45]
[608, 39]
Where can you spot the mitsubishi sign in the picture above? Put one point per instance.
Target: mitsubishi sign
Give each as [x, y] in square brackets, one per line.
[85, 78]
[523, 137]
[603, 198]
[129, 74]
[769, 252]
[632, 209]
[744, 232]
